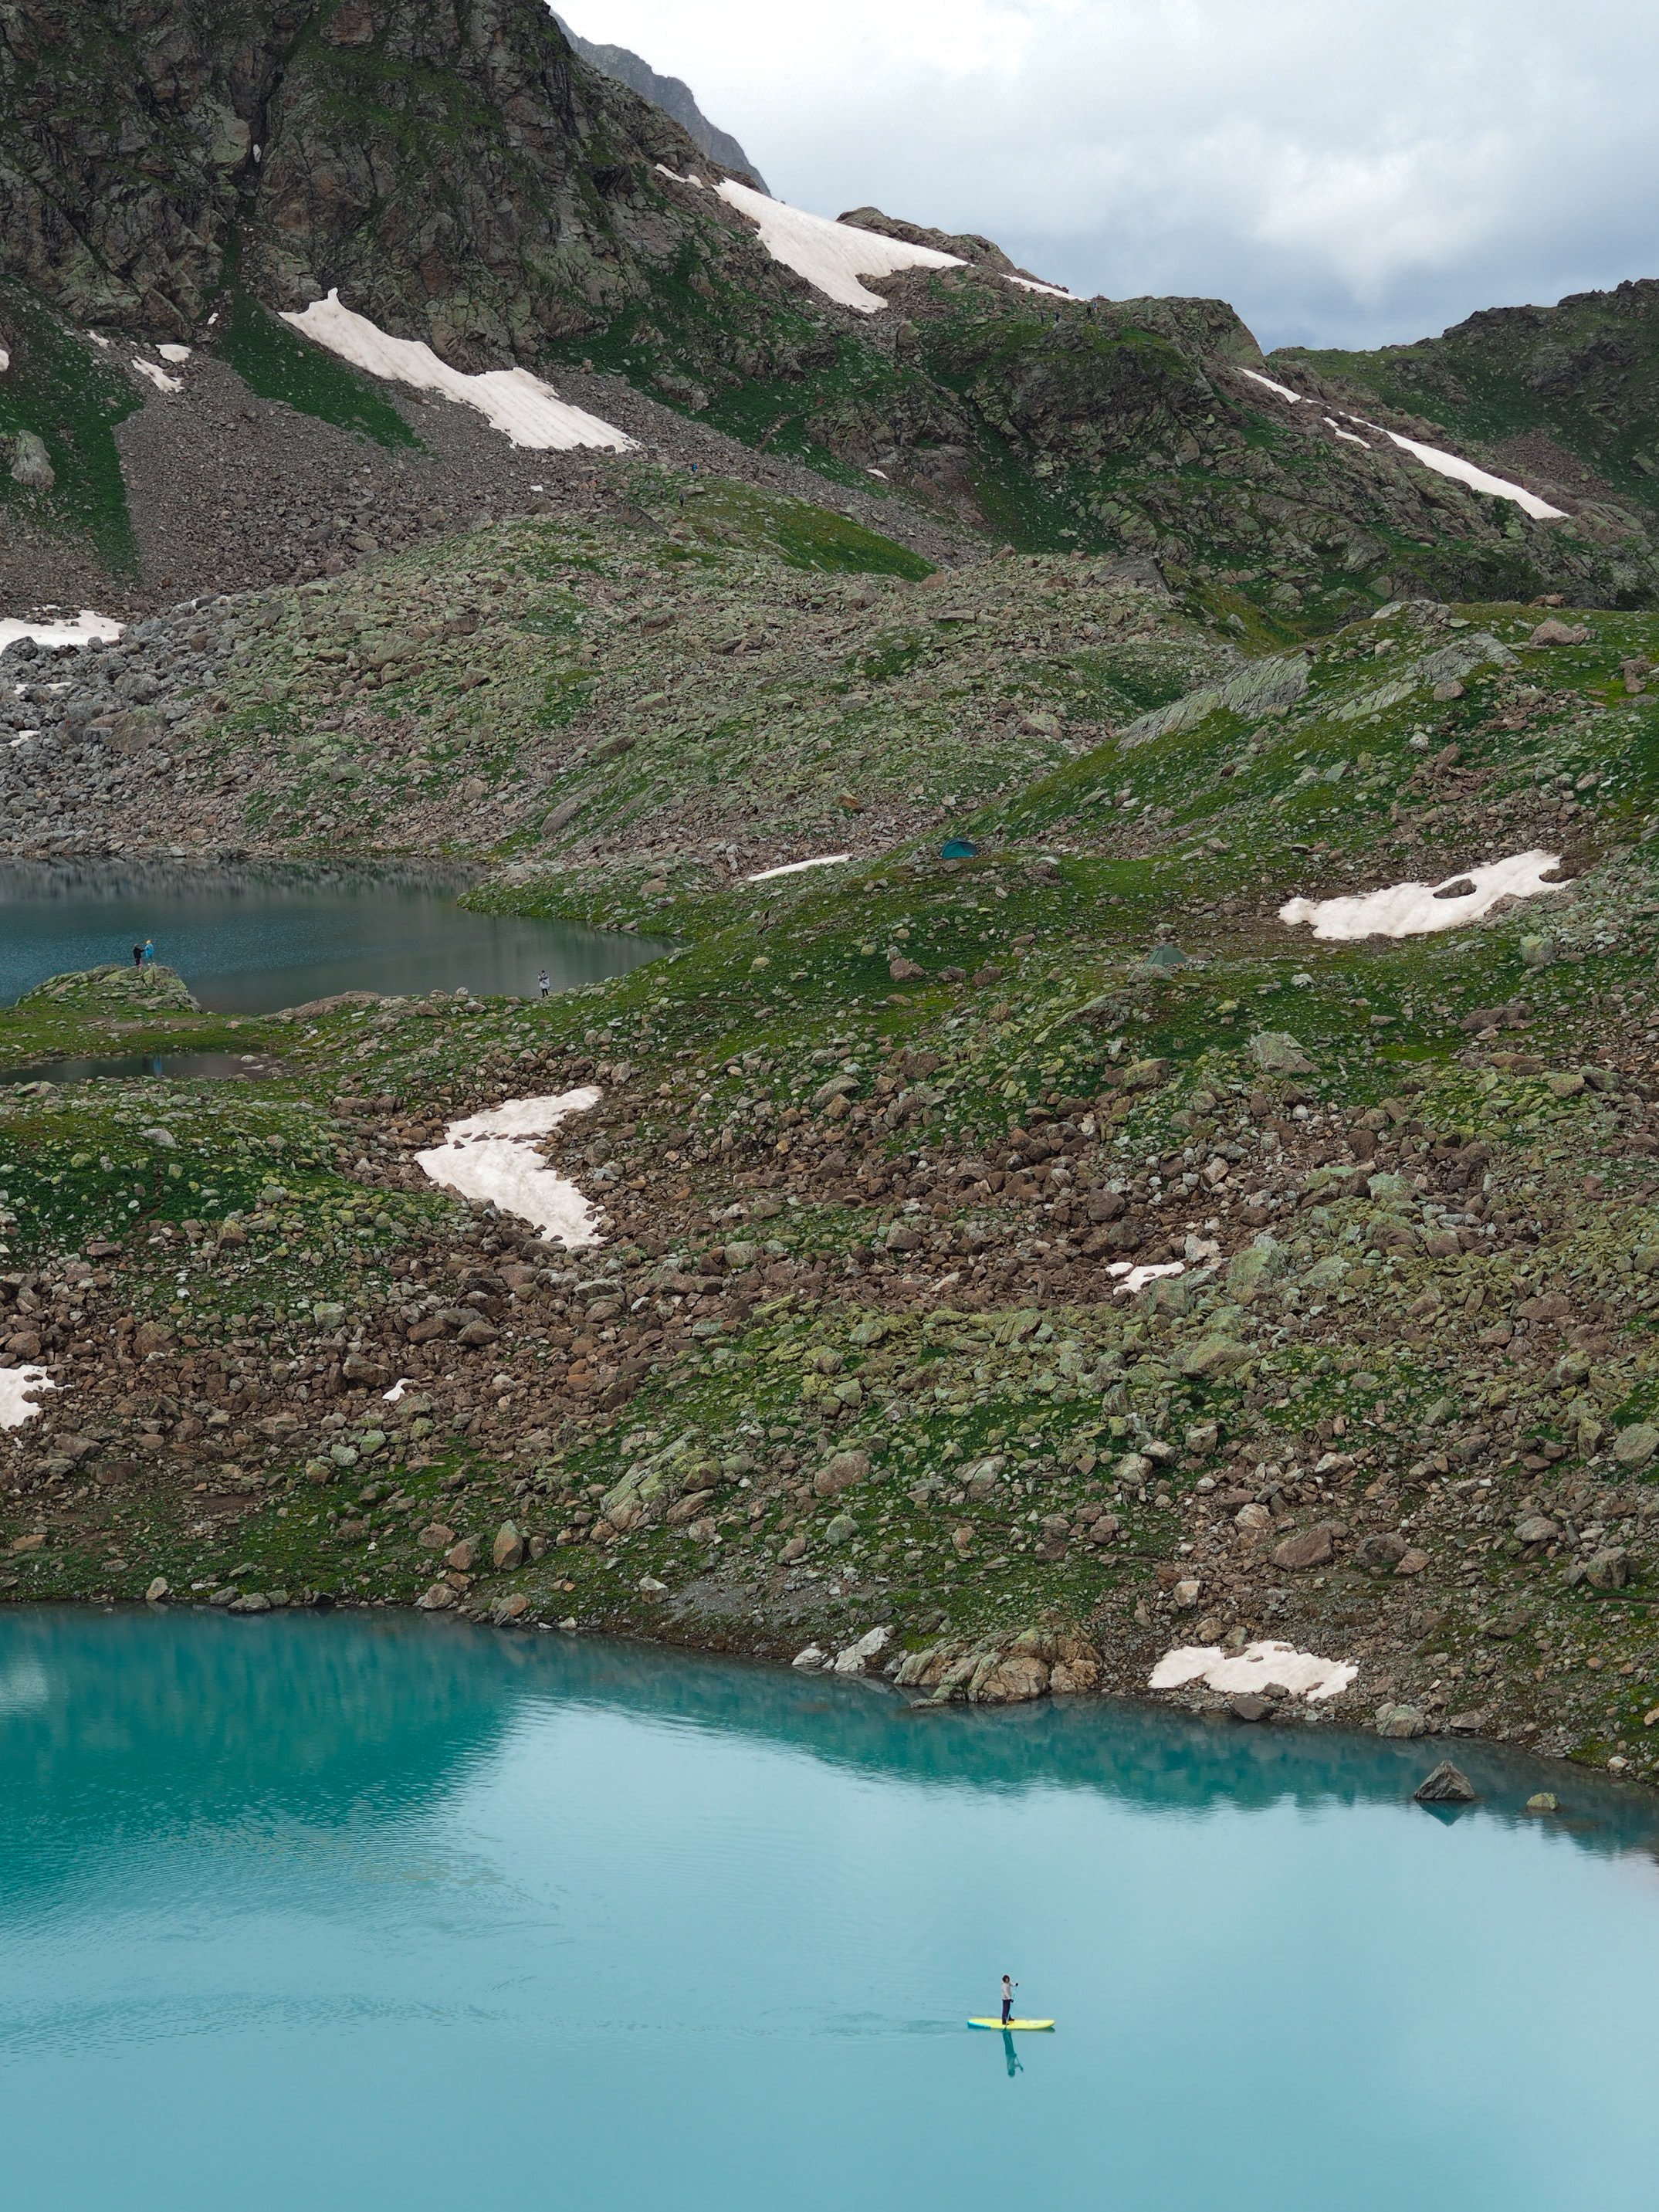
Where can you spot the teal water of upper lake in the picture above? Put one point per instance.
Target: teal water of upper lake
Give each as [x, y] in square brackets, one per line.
[250, 940]
[385, 1913]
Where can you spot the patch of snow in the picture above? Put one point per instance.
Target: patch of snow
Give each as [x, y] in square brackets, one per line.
[97, 339]
[5, 361]
[796, 867]
[24, 737]
[519, 405]
[663, 170]
[86, 624]
[157, 375]
[882, 473]
[488, 1157]
[1352, 436]
[1254, 1669]
[1030, 284]
[1443, 464]
[1136, 1279]
[175, 354]
[16, 1405]
[1413, 910]
[831, 256]
[1449, 464]
[404, 1382]
[1284, 390]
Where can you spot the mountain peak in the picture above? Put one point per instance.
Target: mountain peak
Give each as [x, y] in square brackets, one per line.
[671, 94]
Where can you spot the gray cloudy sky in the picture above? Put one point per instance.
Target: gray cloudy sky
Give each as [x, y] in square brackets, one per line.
[1343, 174]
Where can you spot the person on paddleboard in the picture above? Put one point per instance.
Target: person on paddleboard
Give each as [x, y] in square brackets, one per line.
[1008, 1988]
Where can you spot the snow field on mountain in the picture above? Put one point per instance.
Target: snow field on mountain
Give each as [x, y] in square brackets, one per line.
[1030, 284]
[1442, 464]
[525, 409]
[19, 1389]
[798, 867]
[490, 1157]
[1417, 909]
[831, 256]
[84, 625]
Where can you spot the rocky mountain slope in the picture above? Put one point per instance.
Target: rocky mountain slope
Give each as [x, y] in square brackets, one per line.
[672, 94]
[1568, 393]
[1045, 1257]
[467, 182]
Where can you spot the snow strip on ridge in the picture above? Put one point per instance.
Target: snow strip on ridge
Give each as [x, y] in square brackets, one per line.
[1283, 390]
[831, 256]
[85, 625]
[16, 1407]
[158, 376]
[489, 1156]
[1449, 464]
[1442, 464]
[797, 867]
[1030, 284]
[1413, 910]
[5, 361]
[519, 405]
[1253, 1669]
[175, 354]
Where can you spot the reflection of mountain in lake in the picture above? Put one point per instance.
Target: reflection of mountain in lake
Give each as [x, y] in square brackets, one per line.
[192, 1720]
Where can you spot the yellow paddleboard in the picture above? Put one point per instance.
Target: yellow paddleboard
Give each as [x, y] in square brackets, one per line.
[1011, 2023]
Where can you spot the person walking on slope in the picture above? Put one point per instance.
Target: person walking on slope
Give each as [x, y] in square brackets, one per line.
[1008, 1988]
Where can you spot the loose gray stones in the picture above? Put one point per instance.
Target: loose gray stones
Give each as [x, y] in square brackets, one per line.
[1308, 1547]
[31, 465]
[1636, 1446]
[1276, 1052]
[1535, 1529]
[1399, 1721]
[1447, 1786]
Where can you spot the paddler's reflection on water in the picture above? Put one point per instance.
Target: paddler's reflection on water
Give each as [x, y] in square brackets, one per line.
[1016, 2064]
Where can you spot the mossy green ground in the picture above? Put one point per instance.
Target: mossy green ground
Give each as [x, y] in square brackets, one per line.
[59, 388]
[1033, 999]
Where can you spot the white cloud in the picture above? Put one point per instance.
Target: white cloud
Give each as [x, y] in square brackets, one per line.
[1336, 173]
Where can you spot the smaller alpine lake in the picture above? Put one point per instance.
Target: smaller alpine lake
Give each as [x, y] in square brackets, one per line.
[370, 1912]
[253, 939]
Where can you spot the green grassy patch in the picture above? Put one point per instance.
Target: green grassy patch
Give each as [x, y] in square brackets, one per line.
[68, 394]
[278, 363]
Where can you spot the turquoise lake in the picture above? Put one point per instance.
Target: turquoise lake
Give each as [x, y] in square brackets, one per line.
[341, 1912]
[253, 939]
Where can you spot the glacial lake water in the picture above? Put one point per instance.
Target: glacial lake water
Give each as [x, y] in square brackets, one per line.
[379, 1912]
[252, 940]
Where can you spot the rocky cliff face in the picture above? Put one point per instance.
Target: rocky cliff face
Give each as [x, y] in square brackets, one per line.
[456, 167]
